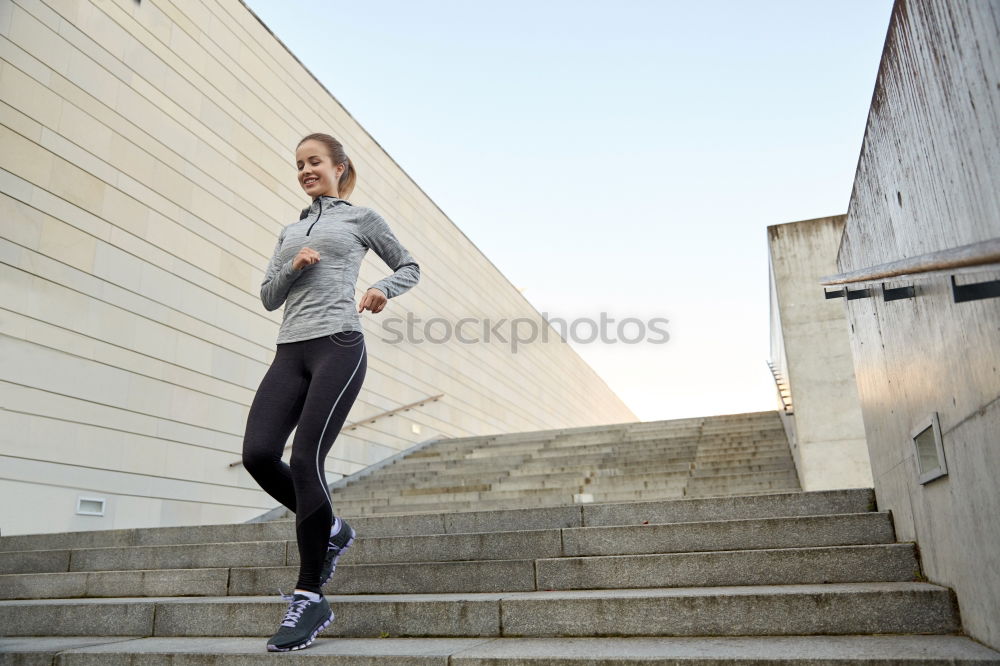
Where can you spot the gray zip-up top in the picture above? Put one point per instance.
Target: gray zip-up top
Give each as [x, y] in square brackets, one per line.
[320, 298]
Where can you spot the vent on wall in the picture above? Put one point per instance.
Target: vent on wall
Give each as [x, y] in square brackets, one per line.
[929, 450]
[89, 506]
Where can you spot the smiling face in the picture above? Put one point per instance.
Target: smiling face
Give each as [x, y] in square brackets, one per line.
[317, 173]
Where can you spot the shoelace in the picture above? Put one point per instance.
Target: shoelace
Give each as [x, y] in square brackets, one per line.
[295, 608]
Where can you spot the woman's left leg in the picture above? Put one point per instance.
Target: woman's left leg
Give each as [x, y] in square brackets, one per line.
[337, 364]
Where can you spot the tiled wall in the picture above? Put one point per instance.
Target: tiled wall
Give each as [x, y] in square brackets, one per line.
[146, 168]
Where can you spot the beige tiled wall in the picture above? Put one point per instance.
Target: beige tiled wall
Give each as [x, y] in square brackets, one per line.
[145, 171]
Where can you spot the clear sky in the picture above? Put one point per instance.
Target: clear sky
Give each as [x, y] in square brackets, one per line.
[619, 157]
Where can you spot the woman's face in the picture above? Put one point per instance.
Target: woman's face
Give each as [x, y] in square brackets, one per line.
[317, 174]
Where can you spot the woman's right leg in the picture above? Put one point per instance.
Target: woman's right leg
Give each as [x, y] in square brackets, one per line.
[274, 412]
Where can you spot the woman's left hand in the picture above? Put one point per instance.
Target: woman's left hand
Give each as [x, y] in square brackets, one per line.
[373, 300]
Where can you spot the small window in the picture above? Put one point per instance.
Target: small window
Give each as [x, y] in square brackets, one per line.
[89, 506]
[929, 450]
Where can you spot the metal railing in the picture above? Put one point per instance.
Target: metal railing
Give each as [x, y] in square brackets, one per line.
[784, 392]
[983, 255]
[371, 419]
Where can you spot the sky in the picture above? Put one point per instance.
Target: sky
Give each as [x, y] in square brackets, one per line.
[621, 158]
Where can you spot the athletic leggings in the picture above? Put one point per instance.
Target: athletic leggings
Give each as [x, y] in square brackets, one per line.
[312, 383]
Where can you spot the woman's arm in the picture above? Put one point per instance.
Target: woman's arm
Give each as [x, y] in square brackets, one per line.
[278, 279]
[379, 237]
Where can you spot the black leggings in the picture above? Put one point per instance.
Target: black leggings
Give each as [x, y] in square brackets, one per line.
[313, 383]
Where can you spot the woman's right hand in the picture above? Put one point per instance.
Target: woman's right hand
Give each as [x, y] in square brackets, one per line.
[306, 257]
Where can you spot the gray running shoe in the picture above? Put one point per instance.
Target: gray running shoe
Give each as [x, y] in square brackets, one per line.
[303, 620]
[338, 544]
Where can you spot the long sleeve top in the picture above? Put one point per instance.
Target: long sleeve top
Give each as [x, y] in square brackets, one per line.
[319, 298]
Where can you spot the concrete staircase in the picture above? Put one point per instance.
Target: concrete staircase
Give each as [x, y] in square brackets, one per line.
[781, 576]
[718, 455]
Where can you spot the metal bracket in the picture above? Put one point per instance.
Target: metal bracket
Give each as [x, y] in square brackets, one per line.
[897, 293]
[974, 291]
[844, 292]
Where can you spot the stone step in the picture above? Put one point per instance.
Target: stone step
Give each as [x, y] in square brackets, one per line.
[609, 456]
[705, 443]
[743, 458]
[500, 493]
[640, 429]
[772, 471]
[632, 430]
[733, 484]
[711, 493]
[580, 464]
[688, 437]
[786, 467]
[747, 610]
[491, 451]
[583, 484]
[596, 466]
[736, 429]
[730, 534]
[479, 484]
[526, 470]
[508, 462]
[630, 467]
[896, 562]
[688, 491]
[927, 650]
[837, 564]
[599, 495]
[739, 474]
[713, 445]
[181, 556]
[541, 479]
[539, 465]
[375, 509]
[204, 582]
[780, 504]
[893, 562]
[523, 461]
[538, 502]
[734, 534]
[501, 490]
[415, 505]
[778, 462]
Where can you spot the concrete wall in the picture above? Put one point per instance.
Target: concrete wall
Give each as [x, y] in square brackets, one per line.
[927, 180]
[810, 346]
[146, 168]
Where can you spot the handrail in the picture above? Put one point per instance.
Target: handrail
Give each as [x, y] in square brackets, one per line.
[371, 419]
[783, 390]
[974, 254]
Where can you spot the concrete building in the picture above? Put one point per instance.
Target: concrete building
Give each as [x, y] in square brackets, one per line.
[811, 352]
[921, 255]
[146, 168]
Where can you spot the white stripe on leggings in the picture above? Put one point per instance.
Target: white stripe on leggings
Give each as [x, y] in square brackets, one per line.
[322, 481]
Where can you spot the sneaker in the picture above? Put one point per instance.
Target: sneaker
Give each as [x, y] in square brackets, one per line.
[303, 620]
[338, 544]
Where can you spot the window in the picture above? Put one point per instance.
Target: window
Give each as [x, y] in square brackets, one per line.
[929, 450]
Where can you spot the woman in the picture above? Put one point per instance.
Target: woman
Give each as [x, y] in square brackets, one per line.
[318, 368]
